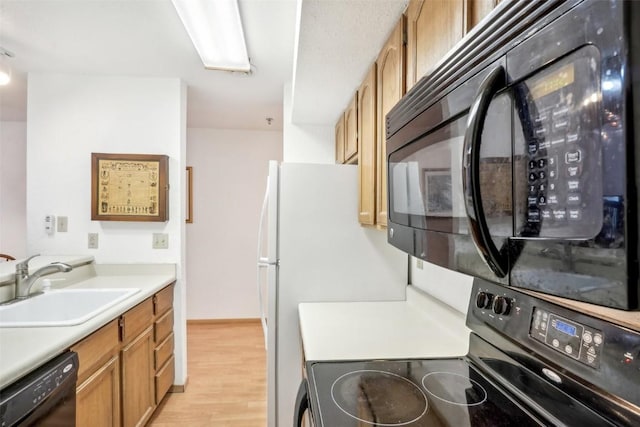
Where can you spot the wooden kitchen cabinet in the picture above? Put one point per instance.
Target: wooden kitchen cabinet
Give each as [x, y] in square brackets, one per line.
[340, 134]
[478, 9]
[163, 359]
[136, 358]
[351, 131]
[433, 28]
[367, 148]
[98, 390]
[127, 366]
[390, 88]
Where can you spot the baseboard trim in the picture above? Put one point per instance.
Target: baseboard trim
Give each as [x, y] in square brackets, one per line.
[222, 321]
[175, 388]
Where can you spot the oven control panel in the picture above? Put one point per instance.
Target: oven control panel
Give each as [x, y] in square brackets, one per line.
[571, 338]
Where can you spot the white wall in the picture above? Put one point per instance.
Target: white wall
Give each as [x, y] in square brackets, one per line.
[229, 173]
[305, 143]
[448, 286]
[71, 116]
[13, 205]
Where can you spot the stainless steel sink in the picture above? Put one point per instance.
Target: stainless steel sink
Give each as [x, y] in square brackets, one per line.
[63, 307]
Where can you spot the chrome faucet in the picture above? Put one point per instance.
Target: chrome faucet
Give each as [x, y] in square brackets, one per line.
[24, 281]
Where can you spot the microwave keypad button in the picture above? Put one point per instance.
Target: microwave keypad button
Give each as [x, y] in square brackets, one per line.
[552, 199]
[533, 215]
[559, 214]
[544, 145]
[573, 156]
[560, 112]
[575, 214]
[574, 199]
[532, 164]
[560, 125]
[557, 141]
[533, 189]
[545, 214]
[572, 137]
[542, 187]
[533, 176]
[542, 163]
[533, 147]
[573, 185]
[542, 200]
[542, 175]
[533, 200]
[574, 171]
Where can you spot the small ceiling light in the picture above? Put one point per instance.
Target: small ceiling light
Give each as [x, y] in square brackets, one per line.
[5, 69]
[216, 31]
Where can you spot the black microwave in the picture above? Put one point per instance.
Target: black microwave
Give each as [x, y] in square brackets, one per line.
[515, 159]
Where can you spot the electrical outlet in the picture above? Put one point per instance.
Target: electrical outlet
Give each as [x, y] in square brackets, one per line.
[62, 224]
[160, 241]
[93, 241]
[419, 264]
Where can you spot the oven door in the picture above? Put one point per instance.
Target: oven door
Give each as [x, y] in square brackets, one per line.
[431, 190]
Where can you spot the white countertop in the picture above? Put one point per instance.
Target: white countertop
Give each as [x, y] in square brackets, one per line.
[23, 349]
[420, 327]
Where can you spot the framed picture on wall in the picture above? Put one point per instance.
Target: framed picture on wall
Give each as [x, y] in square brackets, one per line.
[129, 187]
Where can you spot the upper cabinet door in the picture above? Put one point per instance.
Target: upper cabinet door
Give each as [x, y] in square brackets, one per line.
[367, 143]
[351, 131]
[433, 28]
[478, 9]
[340, 140]
[391, 87]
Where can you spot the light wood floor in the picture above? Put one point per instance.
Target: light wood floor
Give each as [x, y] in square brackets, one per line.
[226, 366]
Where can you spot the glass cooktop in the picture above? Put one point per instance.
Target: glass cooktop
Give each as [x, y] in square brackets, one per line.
[413, 393]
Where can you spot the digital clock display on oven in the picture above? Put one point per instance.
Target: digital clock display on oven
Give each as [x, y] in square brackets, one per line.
[565, 327]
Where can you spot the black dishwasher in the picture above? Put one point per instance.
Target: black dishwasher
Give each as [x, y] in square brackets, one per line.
[44, 397]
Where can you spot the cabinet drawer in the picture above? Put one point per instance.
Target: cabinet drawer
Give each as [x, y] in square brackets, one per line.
[163, 351]
[163, 300]
[163, 326]
[164, 379]
[136, 320]
[96, 349]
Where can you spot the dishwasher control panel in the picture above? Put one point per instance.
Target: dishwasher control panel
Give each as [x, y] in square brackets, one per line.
[55, 379]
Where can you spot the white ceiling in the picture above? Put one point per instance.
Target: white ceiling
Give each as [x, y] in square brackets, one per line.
[337, 42]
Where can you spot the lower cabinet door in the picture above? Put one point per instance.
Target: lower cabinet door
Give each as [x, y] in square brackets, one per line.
[98, 398]
[138, 399]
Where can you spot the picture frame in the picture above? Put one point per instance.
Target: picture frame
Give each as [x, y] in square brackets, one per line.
[438, 192]
[189, 180]
[129, 187]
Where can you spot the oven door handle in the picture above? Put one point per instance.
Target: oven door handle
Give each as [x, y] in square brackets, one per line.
[498, 262]
[302, 403]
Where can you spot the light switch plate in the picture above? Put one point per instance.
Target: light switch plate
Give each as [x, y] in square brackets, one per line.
[62, 224]
[93, 241]
[419, 264]
[160, 241]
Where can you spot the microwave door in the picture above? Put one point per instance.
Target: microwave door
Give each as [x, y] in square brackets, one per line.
[487, 173]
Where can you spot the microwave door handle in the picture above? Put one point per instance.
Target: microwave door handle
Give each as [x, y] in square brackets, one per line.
[497, 260]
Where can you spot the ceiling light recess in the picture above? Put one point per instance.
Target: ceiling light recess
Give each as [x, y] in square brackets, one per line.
[216, 31]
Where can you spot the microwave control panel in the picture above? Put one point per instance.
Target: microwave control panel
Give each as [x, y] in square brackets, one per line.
[560, 163]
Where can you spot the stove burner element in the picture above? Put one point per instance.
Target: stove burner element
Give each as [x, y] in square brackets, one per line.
[454, 388]
[379, 398]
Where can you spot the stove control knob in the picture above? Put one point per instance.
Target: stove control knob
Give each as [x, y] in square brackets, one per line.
[484, 300]
[502, 305]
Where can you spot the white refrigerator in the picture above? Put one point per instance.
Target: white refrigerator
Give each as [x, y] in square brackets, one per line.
[312, 249]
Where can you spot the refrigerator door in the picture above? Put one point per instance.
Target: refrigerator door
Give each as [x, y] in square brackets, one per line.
[268, 283]
[324, 255]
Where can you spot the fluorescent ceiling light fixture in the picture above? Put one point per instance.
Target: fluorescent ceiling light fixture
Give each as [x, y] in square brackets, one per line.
[215, 29]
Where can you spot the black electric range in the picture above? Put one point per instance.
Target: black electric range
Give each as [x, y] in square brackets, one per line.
[530, 363]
